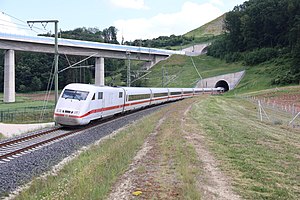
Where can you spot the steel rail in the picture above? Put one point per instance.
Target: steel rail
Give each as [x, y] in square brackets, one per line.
[29, 137]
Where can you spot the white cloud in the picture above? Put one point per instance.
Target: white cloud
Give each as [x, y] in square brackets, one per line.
[191, 16]
[132, 4]
[217, 2]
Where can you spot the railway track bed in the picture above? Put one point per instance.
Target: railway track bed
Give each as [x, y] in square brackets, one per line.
[19, 168]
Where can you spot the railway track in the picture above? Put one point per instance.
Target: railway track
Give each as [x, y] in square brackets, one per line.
[20, 146]
[21, 167]
[15, 148]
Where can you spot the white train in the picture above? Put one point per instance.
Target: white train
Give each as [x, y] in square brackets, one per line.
[79, 104]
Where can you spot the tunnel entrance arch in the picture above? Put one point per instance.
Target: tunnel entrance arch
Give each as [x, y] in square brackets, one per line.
[204, 50]
[222, 84]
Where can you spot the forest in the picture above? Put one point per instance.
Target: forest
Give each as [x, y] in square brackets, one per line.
[263, 31]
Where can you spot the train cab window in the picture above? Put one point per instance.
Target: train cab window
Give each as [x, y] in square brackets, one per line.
[120, 94]
[75, 94]
[100, 95]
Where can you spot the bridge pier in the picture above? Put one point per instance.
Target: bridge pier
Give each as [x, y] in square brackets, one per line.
[9, 76]
[99, 71]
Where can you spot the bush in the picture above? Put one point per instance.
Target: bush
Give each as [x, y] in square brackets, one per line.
[233, 57]
[259, 56]
[36, 84]
[22, 88]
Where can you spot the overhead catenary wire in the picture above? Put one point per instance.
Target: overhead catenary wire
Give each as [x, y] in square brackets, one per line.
[48, 92]
[5, 25]
[77, 63]
[23, 22]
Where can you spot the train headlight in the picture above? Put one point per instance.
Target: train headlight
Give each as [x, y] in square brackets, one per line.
[76, 112]
[58, 110]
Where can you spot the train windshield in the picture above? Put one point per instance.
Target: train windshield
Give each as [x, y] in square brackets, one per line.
[75, 94]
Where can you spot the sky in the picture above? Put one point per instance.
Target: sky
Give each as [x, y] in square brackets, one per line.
[134, 19]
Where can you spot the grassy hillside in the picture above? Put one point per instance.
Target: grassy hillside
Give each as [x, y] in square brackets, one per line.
[180, 72]
[212, 28]
[264, 76]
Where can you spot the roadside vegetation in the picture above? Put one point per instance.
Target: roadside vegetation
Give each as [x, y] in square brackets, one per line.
[261, 159]
[93, 173]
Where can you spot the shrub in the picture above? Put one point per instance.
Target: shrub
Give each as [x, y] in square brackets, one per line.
[259, 56]
[233, 57]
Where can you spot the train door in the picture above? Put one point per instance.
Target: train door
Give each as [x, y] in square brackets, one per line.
[96, 105]
[100, 103]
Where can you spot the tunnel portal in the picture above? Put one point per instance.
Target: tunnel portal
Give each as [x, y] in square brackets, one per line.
[222, 84]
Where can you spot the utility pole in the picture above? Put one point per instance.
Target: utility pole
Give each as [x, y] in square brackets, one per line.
[55, 50]
[163, 77]
[128, 69]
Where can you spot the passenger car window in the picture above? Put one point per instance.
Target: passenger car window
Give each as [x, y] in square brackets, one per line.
[120, 94]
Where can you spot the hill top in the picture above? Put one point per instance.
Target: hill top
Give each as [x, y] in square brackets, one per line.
[212, 28]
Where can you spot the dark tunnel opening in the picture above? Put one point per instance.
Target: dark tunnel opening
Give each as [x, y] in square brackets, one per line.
[222, 84]
[204, 50]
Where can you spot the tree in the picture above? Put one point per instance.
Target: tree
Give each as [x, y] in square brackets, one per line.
[36, 84]
[110, 35]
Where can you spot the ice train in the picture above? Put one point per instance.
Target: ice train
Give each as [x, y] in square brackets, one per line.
[79, 104]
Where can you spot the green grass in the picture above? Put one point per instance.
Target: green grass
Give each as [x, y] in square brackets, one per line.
[210, 29]
[262, 159]
[92, 174]
[25, 110]
[261, 77]
[180, 69]
[176, 150]
[22, 102]
[256, 78]
[274, 92]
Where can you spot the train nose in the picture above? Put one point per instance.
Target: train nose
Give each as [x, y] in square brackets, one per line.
[70, 120]
[68, 117]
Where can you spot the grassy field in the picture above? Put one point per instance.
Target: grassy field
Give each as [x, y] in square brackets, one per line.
[27, 109]
[25, 100]
[261, 159]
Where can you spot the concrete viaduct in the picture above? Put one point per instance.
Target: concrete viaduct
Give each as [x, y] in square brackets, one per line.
[11, 43]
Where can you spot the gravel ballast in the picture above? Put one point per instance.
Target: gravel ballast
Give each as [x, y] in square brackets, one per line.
[22, 170]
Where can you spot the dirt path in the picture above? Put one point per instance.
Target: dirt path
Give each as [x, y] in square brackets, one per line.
[213, 184]
[153, 176]
[125, 186]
